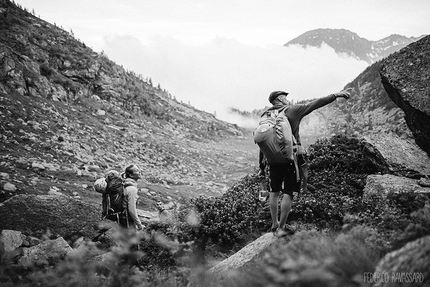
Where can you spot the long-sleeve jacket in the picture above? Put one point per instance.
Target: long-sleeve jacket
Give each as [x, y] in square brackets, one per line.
[296, 113]
[130, 200]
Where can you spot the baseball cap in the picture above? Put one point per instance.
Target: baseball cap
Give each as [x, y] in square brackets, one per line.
[275, 94]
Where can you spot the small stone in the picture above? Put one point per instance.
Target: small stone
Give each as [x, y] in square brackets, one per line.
[9, 187]
[4, 175]
[38, 166]
[95, 168]
[101, 112]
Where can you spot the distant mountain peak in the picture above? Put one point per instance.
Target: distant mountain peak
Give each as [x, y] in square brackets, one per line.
[347, 42]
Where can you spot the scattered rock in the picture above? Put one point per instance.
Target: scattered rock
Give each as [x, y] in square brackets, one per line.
[47, 252]
[10, 240]
[54, 191]
[425, 182]
[38, 166]
[94, 168]
[101, 112]
[9, 187]
[4, 176]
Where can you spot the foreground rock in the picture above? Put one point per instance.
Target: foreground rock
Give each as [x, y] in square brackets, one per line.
[405, 76]
[47, 252]
[10, 240]
[54, 215]
[244, 258]
[408, 266]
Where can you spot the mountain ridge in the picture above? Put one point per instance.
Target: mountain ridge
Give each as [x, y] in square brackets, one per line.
[347, 42]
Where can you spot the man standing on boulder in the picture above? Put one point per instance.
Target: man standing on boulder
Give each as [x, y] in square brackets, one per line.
[283, 176]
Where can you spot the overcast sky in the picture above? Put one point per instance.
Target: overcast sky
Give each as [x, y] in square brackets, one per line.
[216, 54]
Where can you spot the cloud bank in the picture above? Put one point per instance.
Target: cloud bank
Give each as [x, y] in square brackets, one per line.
[227, 73]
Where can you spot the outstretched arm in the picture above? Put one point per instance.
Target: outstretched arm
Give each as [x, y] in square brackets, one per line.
[321, 102]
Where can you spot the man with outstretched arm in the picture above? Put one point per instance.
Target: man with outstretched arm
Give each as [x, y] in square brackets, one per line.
[283, 176]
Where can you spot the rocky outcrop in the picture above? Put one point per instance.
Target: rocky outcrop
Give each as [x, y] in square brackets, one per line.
[239, 263]
[403, 156]
[244, 258]
[408, 266]
[55, 215]
[387, 183]
[405, 76]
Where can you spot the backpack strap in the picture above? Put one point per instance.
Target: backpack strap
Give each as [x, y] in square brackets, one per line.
[277, 110]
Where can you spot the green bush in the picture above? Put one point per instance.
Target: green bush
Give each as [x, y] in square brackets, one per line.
[226, 221]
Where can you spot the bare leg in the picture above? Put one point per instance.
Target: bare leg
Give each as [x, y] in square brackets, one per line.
[285, 209]
[273, 198]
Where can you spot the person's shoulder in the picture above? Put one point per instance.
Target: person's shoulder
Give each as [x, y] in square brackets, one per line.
[295, 107]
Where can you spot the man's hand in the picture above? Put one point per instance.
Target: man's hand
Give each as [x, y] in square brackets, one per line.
[344, 94]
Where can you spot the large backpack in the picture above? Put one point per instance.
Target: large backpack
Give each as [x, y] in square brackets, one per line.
[112, 191]
[275, 137]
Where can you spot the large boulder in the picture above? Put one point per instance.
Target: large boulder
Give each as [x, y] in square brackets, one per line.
[403, 156]
[384, 184]
[231, 268]
[244, 259]
[405, 76]
[408, 266]
[62, 215]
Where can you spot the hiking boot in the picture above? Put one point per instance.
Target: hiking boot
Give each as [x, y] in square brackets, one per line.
[282, 232]
[273, 229]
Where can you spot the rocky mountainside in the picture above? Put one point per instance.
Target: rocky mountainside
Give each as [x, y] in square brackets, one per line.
[69, 114]
[368, 111]
[344, 41]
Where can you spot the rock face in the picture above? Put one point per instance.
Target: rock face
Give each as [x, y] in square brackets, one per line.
[408, 266]
[402, 155]
[383, 184]
[62, 215]
[405, 76]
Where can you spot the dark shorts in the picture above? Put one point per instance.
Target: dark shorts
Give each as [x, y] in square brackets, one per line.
[283, 177]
